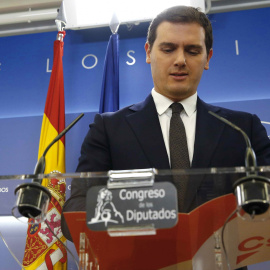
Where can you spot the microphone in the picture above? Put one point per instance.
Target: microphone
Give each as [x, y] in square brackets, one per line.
[32, 198]
[251, 191]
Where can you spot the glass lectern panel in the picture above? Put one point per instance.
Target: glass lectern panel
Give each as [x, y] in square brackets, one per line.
[162, 219]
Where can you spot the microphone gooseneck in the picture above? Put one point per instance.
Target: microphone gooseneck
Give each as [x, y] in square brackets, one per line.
[41, 164]
[250, 158]
[61, 134]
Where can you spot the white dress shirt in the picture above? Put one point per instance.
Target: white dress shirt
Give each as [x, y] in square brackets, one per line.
[188, 116]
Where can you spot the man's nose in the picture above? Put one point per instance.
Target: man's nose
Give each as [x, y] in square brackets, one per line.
[180, 59]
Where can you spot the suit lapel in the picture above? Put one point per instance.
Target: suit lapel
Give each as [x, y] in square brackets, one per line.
[145, 124]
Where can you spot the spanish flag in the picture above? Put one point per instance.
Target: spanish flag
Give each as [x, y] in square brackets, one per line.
[42, 249]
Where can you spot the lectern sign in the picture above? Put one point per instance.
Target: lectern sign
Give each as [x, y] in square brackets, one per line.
[132, 207]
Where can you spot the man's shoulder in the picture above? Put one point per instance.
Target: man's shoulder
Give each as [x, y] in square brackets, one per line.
[222, 111]
[129, 109]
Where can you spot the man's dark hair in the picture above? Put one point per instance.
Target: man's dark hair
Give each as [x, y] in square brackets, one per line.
[181, 14]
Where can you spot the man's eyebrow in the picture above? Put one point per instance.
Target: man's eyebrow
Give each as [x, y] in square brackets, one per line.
[194, 46]
[168, 44]
[173, 45]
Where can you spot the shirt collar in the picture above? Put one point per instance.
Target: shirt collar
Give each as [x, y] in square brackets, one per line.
[163, 103]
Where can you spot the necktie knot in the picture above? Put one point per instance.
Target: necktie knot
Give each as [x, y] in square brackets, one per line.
[176, 107]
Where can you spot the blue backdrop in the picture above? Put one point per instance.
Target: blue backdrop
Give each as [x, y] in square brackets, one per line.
[239, 78]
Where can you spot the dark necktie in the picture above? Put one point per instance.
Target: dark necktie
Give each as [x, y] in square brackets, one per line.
[178, 151]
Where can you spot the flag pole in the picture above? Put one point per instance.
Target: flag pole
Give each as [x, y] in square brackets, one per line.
[114, 24]
[61, 22]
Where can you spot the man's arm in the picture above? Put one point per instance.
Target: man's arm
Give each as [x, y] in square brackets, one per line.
[95, 156]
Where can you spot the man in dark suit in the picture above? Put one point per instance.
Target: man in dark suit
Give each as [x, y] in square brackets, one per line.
[179, 49]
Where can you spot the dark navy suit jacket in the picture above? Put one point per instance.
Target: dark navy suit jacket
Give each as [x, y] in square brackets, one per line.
[131, 138]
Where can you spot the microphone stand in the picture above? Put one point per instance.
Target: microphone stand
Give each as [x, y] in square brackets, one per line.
[32, 198]
[251, 191]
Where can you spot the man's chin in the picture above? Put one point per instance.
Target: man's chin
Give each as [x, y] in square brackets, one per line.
[178, 95]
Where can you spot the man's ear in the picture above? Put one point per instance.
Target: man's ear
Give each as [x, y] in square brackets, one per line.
[147, 51]
[206, 67]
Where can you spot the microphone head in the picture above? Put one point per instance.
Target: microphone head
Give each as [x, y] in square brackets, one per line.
[32, 201]
[252, 194]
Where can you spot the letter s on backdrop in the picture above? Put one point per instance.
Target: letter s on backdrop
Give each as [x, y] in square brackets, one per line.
[134, 60]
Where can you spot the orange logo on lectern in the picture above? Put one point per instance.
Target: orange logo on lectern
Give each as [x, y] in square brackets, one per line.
[251, 246]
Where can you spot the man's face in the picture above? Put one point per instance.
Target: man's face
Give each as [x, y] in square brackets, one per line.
[178, 58]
